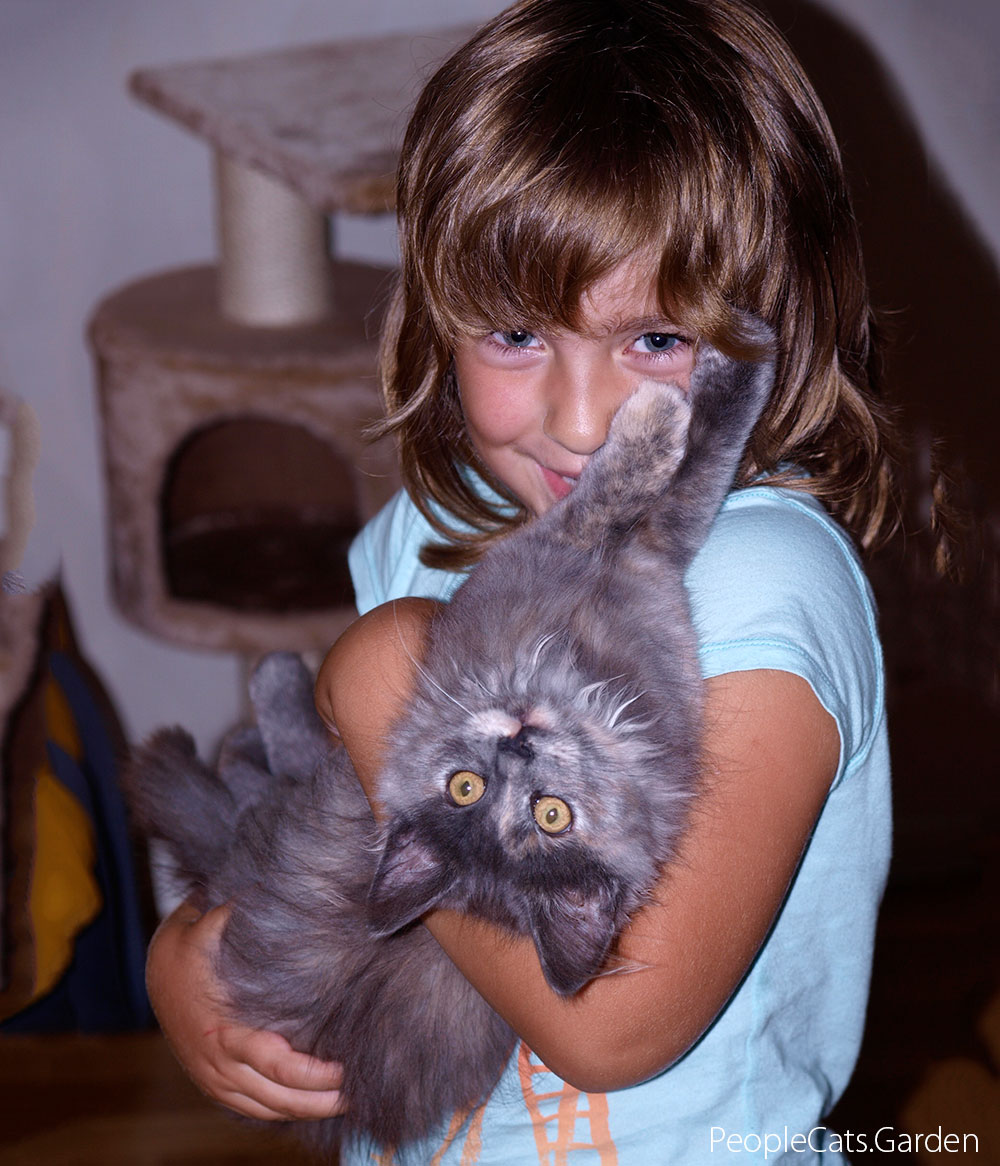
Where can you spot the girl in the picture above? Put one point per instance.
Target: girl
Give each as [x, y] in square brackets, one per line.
[586, 189]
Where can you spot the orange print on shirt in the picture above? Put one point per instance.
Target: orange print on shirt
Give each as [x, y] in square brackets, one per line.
[555, 1151]
[473, 1138]
[471, 1148]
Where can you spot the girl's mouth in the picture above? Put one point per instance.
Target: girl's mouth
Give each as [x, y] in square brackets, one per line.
[559, 484]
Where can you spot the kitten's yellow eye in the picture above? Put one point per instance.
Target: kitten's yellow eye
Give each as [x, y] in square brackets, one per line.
[552, 814]
[466, 787]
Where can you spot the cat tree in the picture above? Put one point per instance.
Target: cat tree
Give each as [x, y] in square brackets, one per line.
[234, 396]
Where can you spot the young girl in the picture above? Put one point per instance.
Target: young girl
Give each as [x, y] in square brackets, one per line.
[587, 189]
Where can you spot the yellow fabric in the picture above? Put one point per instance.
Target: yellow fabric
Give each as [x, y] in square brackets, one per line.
[64, 895]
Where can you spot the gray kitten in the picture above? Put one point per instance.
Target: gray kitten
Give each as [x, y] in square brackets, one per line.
[540, 778]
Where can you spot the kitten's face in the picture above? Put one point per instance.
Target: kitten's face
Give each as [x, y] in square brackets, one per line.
[535, 820]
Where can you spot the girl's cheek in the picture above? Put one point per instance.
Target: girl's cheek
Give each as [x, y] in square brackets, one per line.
[497, 406]
[495, 418]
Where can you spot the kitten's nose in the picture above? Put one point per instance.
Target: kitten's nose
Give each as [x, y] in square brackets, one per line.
[519, 745]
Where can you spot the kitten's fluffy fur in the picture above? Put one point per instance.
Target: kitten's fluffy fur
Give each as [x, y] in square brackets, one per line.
[565, 668]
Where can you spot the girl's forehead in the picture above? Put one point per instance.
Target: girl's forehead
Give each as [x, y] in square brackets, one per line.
[626, 298]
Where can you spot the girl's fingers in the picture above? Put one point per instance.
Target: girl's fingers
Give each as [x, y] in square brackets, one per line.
[270, 1055]
[267, 1079]
[267, 1101]
[208, 926]
[257, 1096]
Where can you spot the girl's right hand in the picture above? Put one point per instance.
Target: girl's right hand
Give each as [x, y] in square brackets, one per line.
[255, 1073]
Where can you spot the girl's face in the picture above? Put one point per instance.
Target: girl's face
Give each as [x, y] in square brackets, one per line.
[537, 404]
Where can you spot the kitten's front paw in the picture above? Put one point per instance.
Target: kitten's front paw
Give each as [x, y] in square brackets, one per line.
[649, 431]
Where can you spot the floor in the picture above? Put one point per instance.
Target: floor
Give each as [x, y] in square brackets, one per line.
[116, 1101]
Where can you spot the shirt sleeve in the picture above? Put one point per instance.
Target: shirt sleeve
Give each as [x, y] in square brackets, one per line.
[384, 558]
[369, 556]
[778, 585]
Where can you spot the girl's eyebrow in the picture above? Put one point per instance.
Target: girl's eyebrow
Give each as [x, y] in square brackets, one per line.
[637, 324]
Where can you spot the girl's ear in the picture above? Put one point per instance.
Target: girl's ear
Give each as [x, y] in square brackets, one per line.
[409, 881]
[573, 934]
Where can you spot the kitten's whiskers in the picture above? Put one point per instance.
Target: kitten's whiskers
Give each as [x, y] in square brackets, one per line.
[422, 671]
[615, 714]
[540, 647]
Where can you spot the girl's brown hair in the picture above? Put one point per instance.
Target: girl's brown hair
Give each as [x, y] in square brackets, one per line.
[568, 135]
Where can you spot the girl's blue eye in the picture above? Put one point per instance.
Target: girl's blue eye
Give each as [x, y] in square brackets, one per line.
[659, 341]
[516, 338]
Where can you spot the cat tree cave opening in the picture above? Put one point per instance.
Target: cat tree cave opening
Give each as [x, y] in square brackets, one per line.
[257, 515]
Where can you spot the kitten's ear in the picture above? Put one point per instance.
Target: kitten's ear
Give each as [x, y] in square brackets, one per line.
[573, 933]
[410, 880]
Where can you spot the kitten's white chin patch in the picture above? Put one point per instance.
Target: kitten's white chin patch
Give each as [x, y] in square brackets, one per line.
[495, 723]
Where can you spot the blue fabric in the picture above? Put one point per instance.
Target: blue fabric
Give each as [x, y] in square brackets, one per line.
[777, 585]
[109, 971]
[103, 990]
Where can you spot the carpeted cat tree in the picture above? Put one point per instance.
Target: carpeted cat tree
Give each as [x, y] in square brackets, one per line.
[234, 396]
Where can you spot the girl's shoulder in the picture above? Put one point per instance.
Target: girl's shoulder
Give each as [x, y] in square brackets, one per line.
[385, 557]
[780, 543]
[778, 584]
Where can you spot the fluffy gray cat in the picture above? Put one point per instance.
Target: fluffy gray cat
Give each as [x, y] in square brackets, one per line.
[540, 778]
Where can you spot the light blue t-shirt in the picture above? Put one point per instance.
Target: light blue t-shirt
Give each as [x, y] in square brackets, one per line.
[776, 585]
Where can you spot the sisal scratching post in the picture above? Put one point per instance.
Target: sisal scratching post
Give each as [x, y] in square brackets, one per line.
[19, 423]
[273, 265]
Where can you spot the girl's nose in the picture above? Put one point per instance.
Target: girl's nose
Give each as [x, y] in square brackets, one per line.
[580, 405]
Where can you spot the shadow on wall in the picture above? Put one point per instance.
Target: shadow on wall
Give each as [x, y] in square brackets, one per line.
[938, 956]
[929, 271]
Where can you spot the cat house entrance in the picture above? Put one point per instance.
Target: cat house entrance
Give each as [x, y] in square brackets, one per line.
[256, 516]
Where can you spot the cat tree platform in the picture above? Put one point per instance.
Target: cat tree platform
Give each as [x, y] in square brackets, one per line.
[234, 396]
[325, 120]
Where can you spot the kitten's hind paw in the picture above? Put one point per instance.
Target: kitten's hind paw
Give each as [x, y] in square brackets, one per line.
[281, 691]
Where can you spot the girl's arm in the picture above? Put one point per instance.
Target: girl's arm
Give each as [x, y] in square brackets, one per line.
[257, 1074]
[771, 752]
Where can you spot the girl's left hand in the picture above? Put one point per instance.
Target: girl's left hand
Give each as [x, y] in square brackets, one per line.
[255, 1073]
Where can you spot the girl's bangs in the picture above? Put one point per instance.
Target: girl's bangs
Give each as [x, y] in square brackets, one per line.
[528, 259]
[546, 170]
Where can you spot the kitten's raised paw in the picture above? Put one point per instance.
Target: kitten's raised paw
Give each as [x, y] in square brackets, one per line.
[649, 432]
[724, 377]
[631, 471]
